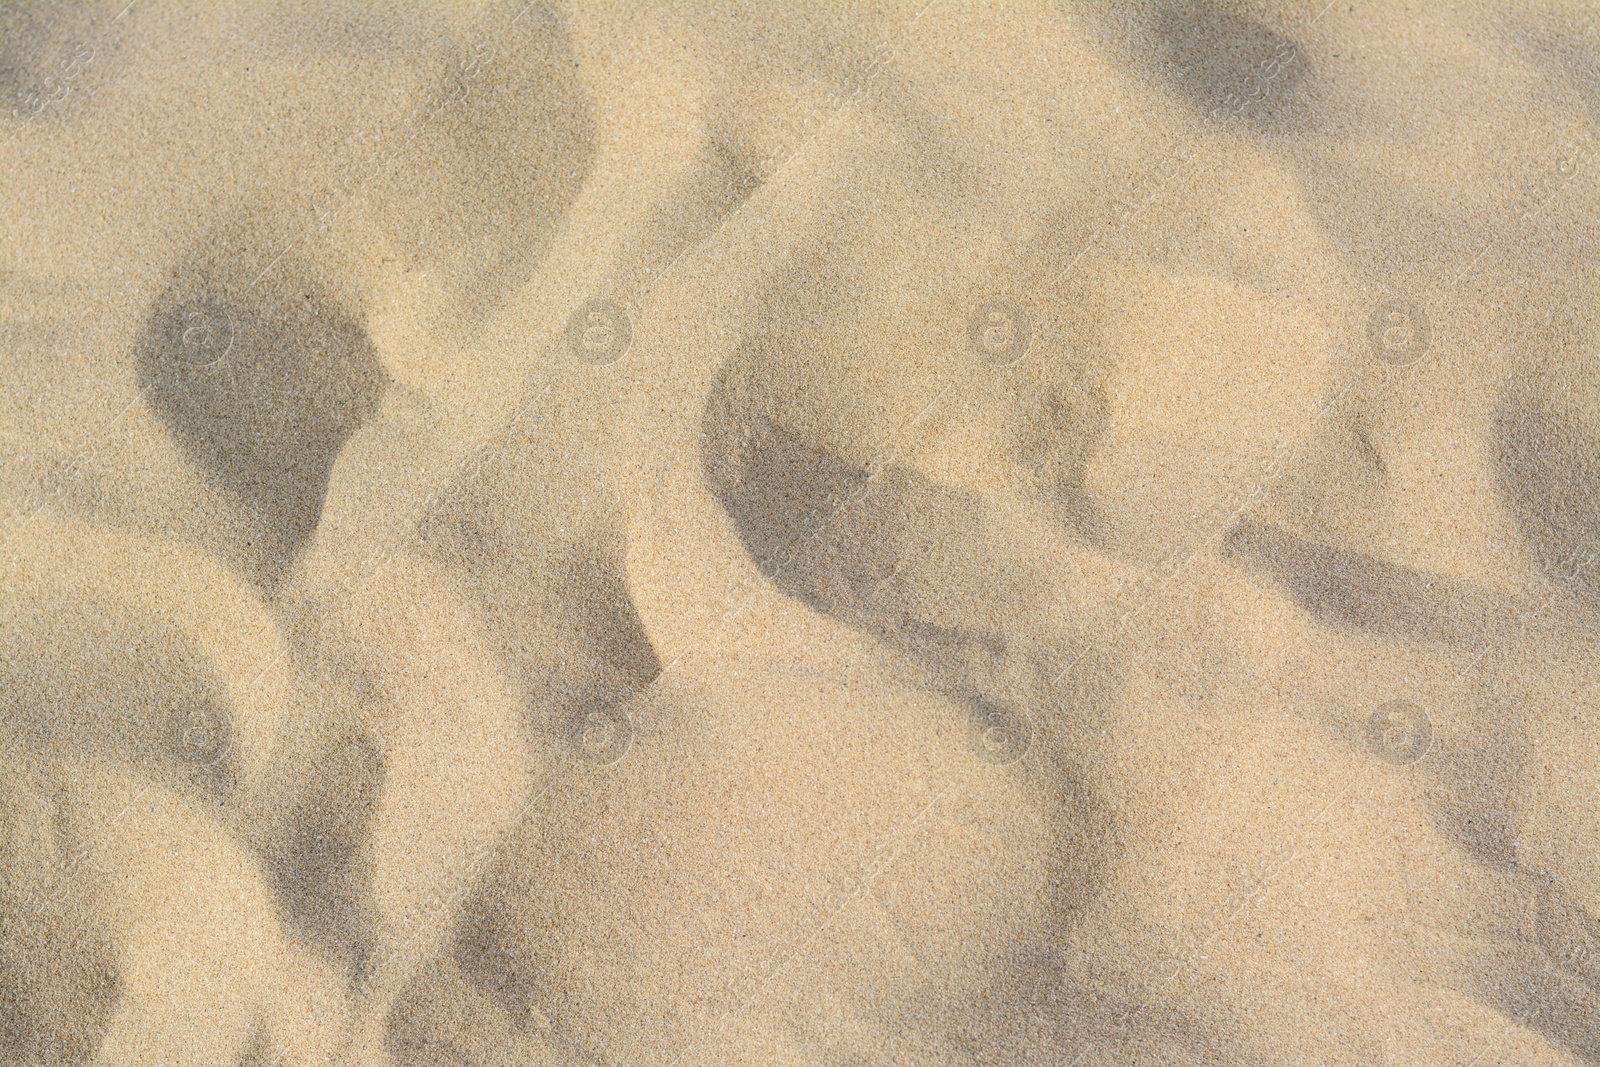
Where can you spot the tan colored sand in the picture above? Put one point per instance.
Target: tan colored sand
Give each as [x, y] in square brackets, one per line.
[1086, 555]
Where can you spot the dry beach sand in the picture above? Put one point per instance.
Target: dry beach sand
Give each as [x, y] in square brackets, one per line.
[813, 534]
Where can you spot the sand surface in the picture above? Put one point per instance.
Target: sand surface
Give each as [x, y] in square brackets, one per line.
[800, 534]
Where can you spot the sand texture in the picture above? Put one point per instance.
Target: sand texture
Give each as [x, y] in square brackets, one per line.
[799, 534]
